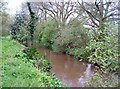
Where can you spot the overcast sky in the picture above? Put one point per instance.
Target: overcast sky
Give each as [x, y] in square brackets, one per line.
[14, 5]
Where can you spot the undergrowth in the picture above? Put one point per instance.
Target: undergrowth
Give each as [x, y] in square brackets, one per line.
[18, 71]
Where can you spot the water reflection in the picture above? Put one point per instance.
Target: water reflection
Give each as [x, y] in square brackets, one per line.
[85, 76]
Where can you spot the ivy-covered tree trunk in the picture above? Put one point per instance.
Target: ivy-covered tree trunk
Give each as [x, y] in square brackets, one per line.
[119, 30]
[32, 22]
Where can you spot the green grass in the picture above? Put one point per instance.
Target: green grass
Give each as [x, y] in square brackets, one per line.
[17, 71]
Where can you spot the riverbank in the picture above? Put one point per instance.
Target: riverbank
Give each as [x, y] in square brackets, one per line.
[82, 43]
[18, 71]
[77, 73]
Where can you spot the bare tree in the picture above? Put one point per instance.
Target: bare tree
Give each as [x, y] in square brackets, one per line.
[98, 12]
[59, 11]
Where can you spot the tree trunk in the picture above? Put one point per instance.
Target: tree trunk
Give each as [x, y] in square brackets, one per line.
[31, 24]
[119, 29]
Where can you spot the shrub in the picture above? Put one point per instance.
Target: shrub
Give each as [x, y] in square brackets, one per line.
[72, 36]
[47, 31]
[31, 53]
[97, 80]
[42, 63]
[56, 48]
[79, 53]
[104, 53]
[38, 60]
[79, 33]
[19, 29]
[23, 36]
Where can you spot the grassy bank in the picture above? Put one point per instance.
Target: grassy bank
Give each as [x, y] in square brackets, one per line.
[18, 71]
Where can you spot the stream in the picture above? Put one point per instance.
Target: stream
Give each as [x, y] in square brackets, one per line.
[67, 69]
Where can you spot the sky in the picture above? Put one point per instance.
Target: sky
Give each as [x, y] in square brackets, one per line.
[14, 5]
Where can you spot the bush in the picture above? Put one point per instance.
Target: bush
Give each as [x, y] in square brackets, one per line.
[19, 29]
[56, 48]
[79, 33]
[31, 53]
[104, 53]
[97, 80]
[72, 36]
[47, 32]
[79, 53]
[39, 61]
[23, 36]
[42, 63]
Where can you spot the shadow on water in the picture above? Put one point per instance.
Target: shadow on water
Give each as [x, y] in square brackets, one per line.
[68, 70]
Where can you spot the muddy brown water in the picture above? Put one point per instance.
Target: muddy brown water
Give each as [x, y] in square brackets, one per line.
[67, 69]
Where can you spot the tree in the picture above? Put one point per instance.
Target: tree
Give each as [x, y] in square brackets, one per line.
[119, 29]
[4, 19]
[98, 13]
[31, 25]
[2, 6]
[59, 11]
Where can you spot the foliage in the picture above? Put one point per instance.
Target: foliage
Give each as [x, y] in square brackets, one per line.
[32, 22]
[3, 4]
[79, 32]
[104, 53]
[72, 36]
[78, 53]
[65, 37]
[97, 80]
[19, 71]
[56, 48]
[42, 63]
[47, 31]
[37, 31]
[4, 18]
[19, 28]
[96, 46]
[31, 53]
[38, 60]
